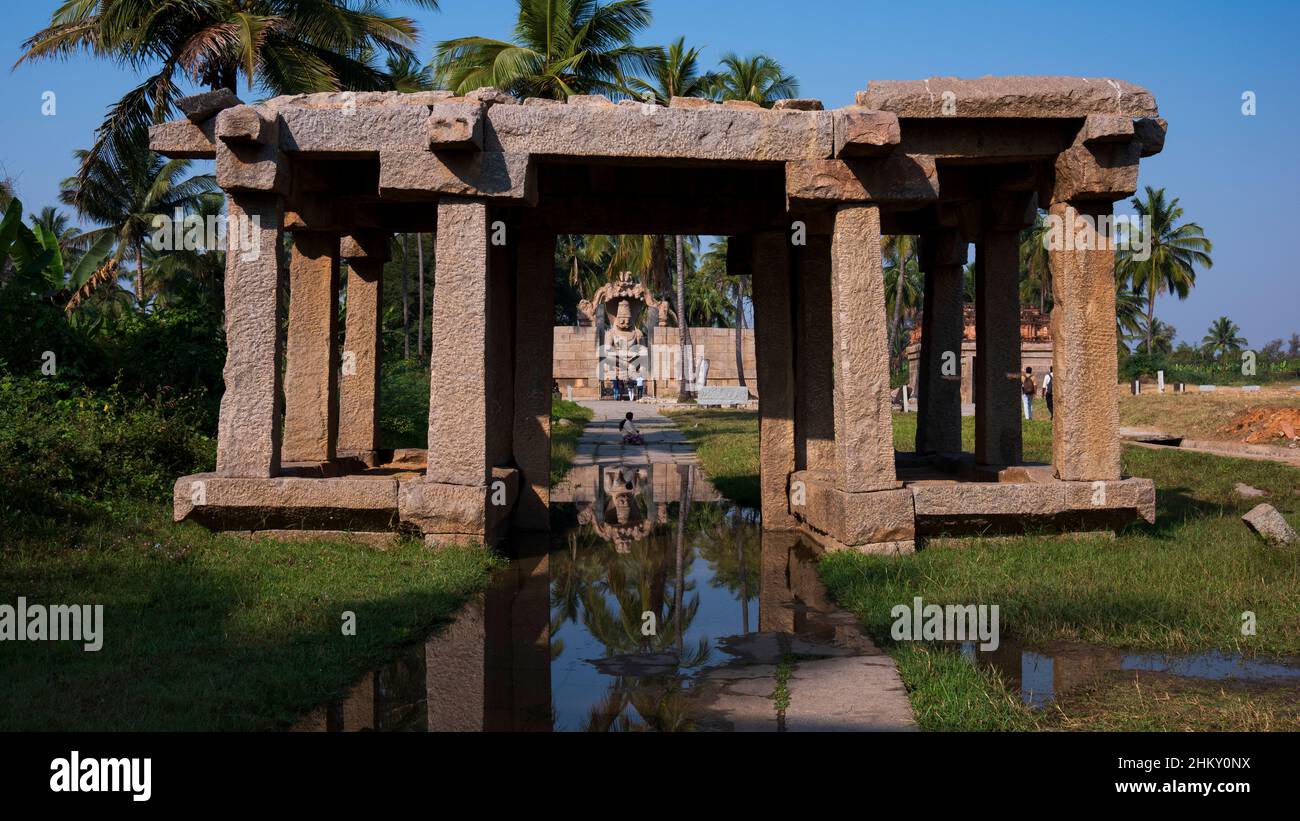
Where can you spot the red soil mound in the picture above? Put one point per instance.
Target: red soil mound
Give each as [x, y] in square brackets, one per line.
[1262, 425]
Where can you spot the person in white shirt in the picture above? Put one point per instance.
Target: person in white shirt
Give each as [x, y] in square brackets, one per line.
[1047, 390]
[631, 436]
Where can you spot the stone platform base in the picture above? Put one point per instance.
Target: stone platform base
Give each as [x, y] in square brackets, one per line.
[368, 504]
[1010, 500]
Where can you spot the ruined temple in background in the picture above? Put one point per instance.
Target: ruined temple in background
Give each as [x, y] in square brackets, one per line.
[804, 194]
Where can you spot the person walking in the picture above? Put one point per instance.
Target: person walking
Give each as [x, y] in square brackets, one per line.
[1027, 390]
[1047, 390]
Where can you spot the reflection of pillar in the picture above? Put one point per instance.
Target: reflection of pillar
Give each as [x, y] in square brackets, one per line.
[458, 377]
[997, 349]
[359, 376]
[311, 368]
[1085, 422]
[774, 346]
[814, 374]
[775, 602]
[454, 670]
[535, 314]
[938, 384]
[516, 636]
[864, 438]
[248, 433]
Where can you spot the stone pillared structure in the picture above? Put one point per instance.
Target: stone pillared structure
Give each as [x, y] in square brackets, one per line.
[803, 193]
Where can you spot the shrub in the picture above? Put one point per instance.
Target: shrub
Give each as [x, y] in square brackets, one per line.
[62, 447]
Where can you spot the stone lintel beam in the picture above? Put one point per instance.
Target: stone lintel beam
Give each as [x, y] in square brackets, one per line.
[316, 214]
[1104, 171]
[966, 216]
[417, 174]
[798, 104]
[184, 140]
[456, 126]
[988, 140]
[660, 215]
[1150, 131]
[199, 107]
[861, 132]
[897, 178]
[711, 132]
[1019, 97]
[369, 245]
[251, 167]
[1011, 210]
[244, 124]
[1107, 128]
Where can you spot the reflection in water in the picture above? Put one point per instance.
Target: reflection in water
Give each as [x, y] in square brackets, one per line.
[601, 626]
[1044, 674]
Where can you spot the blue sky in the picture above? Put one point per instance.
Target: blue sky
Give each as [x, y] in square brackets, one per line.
[1236, 175]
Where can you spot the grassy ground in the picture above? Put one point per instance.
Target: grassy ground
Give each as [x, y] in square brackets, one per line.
[1179, 585]
[209, 632]
[565, 435]
[1196, 415]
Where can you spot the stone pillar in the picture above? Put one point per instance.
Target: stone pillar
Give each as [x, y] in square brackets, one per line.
[359, 374]
[311, 418]
[248, 433]
[997, 349]
[774, 344]
[938, 384]
[534, 318]
[1085, 421]
[864, 438]
[814, 370]
[458, 389]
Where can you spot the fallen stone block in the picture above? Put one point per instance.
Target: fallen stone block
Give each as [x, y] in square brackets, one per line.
[1266, 523]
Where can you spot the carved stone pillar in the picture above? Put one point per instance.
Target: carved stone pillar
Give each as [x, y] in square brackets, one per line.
[311, 419]
[249, 429]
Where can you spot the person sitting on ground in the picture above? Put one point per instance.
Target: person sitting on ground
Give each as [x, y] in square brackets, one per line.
[631, 436]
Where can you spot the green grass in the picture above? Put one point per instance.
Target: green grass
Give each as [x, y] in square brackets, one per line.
[1179, 585]
[564, 437]
[210, 632]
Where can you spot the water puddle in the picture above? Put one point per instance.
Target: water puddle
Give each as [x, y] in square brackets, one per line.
[1046, 673]
[646, 606]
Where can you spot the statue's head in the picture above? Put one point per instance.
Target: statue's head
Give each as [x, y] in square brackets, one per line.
[623, 318]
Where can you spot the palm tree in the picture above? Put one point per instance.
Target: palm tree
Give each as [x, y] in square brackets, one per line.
[899, 252]
[281, 46]
[1128, 315]
[1222, 338]
[126, 197]
[1035, 264]
[756, 78]
[675, 73]
[1175, 251]
[560, 48]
